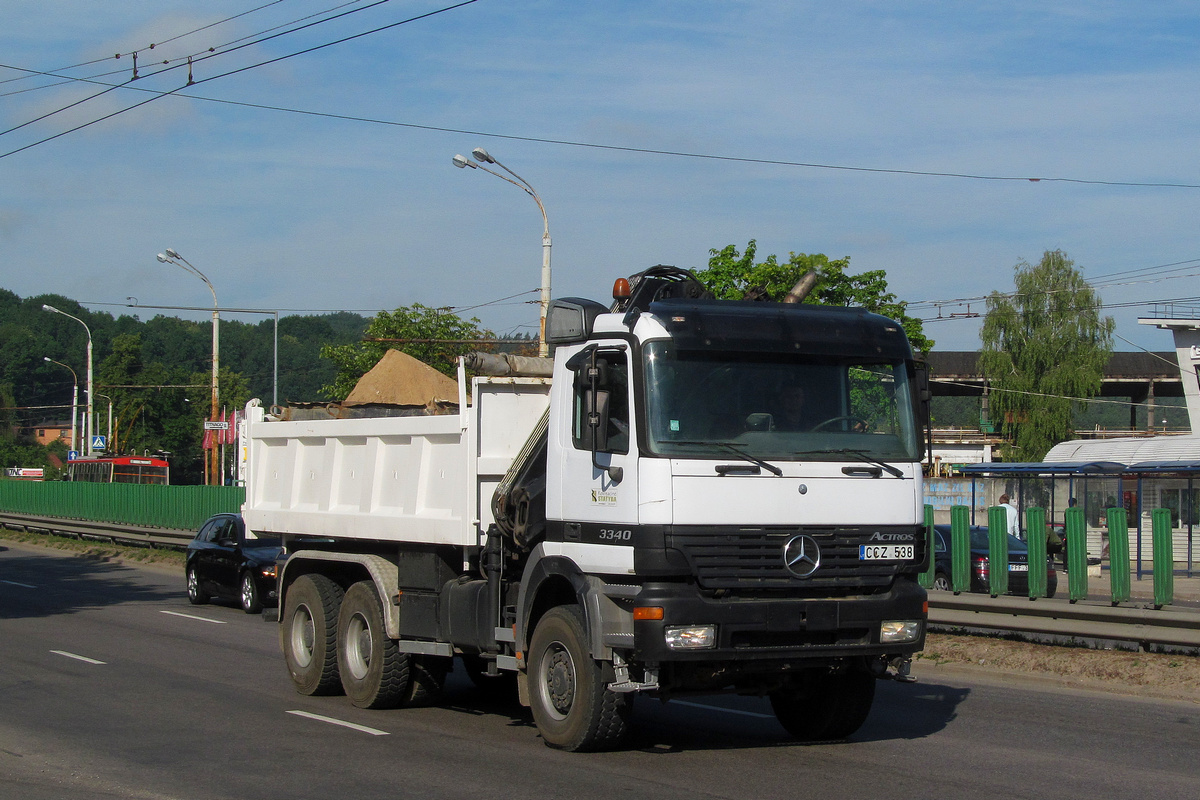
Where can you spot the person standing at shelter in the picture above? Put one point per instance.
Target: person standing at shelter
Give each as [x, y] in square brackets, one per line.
[1014, 526]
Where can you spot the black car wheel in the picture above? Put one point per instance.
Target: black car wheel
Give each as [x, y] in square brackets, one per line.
[251, 601]
[941, 582]
[196, 595]
[310, 624]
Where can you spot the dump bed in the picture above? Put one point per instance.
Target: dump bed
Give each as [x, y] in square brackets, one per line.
[426, 479]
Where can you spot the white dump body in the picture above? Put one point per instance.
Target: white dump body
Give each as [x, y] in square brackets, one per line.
[426, 479]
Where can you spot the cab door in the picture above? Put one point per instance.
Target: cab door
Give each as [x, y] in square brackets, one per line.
[594, 488]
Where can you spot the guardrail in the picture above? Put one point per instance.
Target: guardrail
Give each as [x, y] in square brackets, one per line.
[109, 531]
[1168, 626]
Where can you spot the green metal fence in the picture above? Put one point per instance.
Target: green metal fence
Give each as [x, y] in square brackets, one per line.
[179, 507]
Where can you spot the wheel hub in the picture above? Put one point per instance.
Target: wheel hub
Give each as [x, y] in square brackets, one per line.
[560, 681]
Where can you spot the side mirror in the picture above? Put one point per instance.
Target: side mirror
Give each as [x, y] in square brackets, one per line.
[598, 396]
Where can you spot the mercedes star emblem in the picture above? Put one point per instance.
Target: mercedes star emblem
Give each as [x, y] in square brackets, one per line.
[802, 556]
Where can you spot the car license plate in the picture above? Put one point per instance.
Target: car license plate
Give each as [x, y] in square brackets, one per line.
[884, 552]
[1018, 568]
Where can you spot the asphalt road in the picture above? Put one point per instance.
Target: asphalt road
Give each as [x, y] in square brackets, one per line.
[112, 685]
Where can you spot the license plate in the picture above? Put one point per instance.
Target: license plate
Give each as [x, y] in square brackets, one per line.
[1018, 568]
[885, 552]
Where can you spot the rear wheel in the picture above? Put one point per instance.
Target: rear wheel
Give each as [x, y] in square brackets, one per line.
[374, 673]
[310, 624]
[571, 706]
[819, 705]
[196, 595]
[251, 601]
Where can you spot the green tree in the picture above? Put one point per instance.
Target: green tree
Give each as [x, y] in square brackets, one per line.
[439, 333]
[1043, 345]
[733, 276]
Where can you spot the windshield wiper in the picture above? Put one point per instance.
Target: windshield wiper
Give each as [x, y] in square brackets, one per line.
[758, 462]
[861, 455]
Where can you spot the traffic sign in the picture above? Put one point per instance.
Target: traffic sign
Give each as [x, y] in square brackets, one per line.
[216, 425]
[72, 455]
[99, 442]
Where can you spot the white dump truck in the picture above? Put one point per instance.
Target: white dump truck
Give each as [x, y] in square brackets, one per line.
[705, 496]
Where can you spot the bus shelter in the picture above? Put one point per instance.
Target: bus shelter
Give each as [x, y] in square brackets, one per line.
[1095, 487]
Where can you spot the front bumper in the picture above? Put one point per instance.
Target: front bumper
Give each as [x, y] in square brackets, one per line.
[748, 628]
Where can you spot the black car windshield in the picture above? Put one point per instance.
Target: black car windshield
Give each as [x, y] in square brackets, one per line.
[778, 406]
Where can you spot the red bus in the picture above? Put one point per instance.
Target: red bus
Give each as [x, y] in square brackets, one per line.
[119, 469]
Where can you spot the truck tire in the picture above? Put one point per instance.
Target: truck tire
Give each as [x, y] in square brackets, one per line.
[310, 623]
[571, 705]
[374, 673]
[426, 679]
[819, 706]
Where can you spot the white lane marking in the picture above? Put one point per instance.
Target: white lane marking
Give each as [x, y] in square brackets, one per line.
[343, 723]
[76, 657]
[22, 585]
[193, 616]
[725, 710]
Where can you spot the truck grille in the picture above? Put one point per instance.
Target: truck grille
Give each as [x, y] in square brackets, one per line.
[752, 558]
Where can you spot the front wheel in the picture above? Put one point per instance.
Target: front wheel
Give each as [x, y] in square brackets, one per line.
[310, 625]
[818, 706]
[941, 582]
[251, 601]
[571, 706]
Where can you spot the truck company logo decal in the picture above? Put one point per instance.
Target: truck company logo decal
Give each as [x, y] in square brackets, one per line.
[601, 497]
[802, 556]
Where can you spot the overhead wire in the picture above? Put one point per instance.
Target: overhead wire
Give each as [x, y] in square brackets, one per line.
[211, 52]
[165, 41]
[166, 93]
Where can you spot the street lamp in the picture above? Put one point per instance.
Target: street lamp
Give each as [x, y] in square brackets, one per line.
[74, 404]
[482, 156]
[173, 257]
[85, 432]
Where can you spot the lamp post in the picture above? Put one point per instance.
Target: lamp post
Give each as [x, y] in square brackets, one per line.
[172, 257]
[85, 432]
[74, 403]
[482, 156]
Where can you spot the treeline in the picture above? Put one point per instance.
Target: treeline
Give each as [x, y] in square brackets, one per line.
[157, 373]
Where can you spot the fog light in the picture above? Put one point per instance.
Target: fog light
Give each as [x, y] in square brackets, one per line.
[899, 631]
[695, 637]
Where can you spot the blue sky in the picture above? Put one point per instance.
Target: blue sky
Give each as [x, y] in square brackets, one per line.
[306, 212]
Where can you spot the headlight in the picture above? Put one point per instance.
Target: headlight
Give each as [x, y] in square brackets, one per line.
[899, 631]
[692, 637]
[268, 571]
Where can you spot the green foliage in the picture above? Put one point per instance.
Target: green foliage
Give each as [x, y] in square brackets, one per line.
[161, 353]
[1043, 345]
[733, 276]
[408, 322]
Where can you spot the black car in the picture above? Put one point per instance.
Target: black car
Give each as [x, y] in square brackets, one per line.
[223, 562]
[1018, 563]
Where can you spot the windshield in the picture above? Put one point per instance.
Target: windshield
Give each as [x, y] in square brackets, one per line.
[778, 406]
